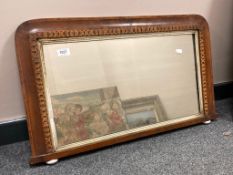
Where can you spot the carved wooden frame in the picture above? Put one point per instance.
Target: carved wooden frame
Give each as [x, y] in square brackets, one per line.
[30, 68]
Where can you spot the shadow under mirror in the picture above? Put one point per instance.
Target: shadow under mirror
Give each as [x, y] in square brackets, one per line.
[99, 87]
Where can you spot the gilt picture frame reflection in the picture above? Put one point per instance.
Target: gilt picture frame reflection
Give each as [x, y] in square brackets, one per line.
[143, 111]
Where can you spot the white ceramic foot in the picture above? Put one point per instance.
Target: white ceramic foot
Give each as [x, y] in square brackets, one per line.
[207, 122]
[51, 162]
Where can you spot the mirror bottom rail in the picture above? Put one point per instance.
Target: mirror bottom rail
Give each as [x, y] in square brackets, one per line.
[167, 126]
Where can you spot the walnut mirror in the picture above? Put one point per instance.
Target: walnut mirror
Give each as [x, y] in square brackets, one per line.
[93, 82]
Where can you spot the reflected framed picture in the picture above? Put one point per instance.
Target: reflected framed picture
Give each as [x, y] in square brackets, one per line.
[92, 82]
[143, 111]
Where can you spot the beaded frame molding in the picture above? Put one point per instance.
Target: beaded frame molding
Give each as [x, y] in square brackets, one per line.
[27, 40]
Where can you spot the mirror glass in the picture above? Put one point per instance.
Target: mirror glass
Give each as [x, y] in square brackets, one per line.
[101, 87]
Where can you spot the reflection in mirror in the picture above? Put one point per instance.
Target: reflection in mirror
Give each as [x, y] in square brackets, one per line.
[99, 86]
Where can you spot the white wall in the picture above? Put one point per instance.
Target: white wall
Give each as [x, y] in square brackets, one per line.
[13, 13]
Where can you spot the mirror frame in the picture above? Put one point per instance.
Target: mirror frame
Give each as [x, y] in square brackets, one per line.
[31, 75]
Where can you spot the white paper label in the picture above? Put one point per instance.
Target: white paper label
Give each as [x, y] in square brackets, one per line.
[179, 51]
[63, 52]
